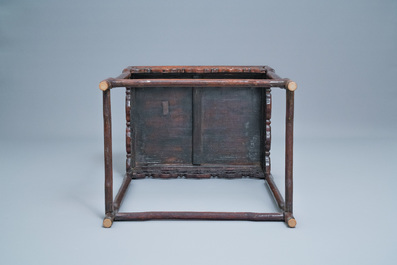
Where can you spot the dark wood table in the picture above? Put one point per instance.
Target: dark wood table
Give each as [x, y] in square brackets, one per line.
[198, 122]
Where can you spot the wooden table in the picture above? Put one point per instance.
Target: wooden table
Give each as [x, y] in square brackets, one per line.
[198, 122]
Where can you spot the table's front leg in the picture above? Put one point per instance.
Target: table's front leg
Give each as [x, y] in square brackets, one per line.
[289, 134]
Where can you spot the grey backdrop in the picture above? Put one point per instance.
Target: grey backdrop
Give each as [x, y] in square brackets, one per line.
[343, 56]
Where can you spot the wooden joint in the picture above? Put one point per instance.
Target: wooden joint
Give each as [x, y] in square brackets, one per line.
[105, 85]
[291, 85]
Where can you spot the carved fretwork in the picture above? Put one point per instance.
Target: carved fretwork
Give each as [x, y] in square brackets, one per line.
[197, 69]
[128, 132]
[268, 135]
[232, 171]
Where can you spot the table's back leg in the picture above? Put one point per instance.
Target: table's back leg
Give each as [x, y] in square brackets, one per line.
[107, 120]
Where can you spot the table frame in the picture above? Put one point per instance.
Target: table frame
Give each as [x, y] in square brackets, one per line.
[270, 79]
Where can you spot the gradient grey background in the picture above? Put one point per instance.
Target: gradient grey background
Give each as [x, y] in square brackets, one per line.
[342, 54]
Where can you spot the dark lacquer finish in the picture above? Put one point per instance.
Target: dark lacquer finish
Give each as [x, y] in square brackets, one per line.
[198, 122]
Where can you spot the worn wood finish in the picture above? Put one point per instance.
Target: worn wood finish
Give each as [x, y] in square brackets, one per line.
[120, 195]
[108, 220]
[128, 132]
[198, 69]
[163, 136]
[250, 216]
[230, 126]
[197, 151]
[289, 85]
[275, 191]
[200, 76]
[106, 84]
[270, 73]
[289, 219]
[195, 171]
[131, 133]
[268, 115]
[107, 118]
[289, 134]
[196, 82]
[198, 122]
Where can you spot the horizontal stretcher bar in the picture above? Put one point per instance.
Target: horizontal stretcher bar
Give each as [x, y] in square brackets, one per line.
[250, 216]
[283, 83]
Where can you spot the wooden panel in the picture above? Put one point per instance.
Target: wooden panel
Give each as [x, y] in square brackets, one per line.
[230, 126]
[197, 122]
[163, 123]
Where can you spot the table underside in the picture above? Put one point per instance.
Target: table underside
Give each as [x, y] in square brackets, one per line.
[198, 122]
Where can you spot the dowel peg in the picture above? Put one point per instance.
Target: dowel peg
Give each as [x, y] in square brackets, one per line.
[104, 85]
[107, 222]
[291, 86]
[291, 222]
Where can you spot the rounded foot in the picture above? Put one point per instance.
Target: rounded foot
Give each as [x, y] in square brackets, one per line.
[107, 222]
[291, 222]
